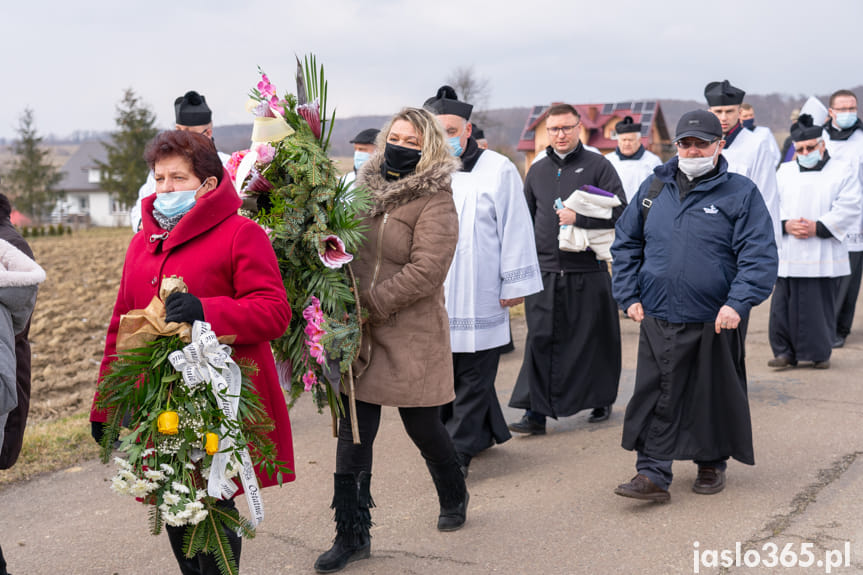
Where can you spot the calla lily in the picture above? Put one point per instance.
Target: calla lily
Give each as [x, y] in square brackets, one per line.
[259, 184]
[334, 255]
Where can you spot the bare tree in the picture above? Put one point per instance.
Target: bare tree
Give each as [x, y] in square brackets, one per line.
[471, 88]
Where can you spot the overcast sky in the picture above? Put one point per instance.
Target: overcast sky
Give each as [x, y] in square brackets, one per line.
[71, 61]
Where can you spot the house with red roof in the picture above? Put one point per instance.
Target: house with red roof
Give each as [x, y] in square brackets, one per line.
[597, 128]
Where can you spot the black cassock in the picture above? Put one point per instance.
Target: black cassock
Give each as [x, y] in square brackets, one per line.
[803, 318]
[572, 353]
[690, 399]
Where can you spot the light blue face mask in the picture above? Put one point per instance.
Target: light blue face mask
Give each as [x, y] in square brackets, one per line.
[809, 160]
[846, 119]
[173, 204]
[455, 146]
[360, 158]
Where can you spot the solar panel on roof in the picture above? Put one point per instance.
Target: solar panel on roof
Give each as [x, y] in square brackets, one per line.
[645, 130]
[649, 106]
[529, 135]
[608, 108]
[537, 110]
[636, 107]
[647, 118]
[622, 106]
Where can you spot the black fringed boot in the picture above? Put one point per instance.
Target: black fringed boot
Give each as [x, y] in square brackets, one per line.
[452, 494]
[351, 502]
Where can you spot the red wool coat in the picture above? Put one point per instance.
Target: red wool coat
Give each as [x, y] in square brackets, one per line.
[227, 261]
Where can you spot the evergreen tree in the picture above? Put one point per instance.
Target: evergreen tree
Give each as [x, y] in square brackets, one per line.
[31, 179]
[126, 170]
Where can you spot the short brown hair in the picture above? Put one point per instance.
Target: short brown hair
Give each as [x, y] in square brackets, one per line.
[840, 93]
[746, 106]
[562, 109]
[197, 149]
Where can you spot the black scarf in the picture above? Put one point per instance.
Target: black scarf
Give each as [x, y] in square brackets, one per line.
[471, 155]
[636, 156]
[840, 134]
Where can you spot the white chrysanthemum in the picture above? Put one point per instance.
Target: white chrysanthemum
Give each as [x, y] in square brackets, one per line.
[185, 514]
[179, 487]
[200, 494]
[154, 475]
[171, 498]
[118, 485]
[173, 521]
[190, 466]
[167, 469]
[148, 452]
[122, 463]
[140, 488]
[195, 505]
[198, 517]
[127, 475]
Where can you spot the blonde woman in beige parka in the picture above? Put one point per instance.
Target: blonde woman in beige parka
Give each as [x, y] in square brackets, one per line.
[405, 362]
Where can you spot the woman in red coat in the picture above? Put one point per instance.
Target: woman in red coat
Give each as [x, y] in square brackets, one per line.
[190, 228]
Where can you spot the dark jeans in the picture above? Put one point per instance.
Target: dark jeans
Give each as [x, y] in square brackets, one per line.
[659, 470]
[846, 300]
[422, 424]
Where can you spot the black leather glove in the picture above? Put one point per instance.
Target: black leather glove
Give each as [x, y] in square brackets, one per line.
[97, 430]
[183, 307]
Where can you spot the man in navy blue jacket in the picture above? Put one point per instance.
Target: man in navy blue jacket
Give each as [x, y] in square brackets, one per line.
[690, 273]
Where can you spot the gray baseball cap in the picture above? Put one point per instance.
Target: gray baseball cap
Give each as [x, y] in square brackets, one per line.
[699, 124]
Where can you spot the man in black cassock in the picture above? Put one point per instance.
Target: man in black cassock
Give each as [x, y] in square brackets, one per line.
[690, 273]
[572, 353]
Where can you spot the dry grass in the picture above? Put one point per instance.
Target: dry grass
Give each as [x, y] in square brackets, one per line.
[51, 446]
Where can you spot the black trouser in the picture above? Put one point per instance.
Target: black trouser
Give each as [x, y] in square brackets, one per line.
[423, 426]
[846, 300]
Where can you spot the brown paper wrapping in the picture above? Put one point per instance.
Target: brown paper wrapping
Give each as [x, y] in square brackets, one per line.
[140, 326]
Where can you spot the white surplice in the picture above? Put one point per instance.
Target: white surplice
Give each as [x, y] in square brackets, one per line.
[850, 151]
[633, 172]
[832, 196]
[750, 156]
[496, 255]
[770, 140]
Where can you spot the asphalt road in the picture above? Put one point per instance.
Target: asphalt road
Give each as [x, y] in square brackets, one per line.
[538, 504]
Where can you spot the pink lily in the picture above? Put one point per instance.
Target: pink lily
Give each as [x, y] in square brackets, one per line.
[334, 255]
[309, 380]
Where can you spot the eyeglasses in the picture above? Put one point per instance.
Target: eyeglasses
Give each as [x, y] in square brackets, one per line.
[806, 149]
[700, 144]
[565, 129]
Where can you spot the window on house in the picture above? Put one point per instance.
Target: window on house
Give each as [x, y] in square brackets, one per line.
[94, 176]
[83, 203]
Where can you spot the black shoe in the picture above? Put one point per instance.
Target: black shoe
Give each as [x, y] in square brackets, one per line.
[838, 341]
[599, 414]
[780, 361]
[452, 494]
[351, 502]
[342, 552]
[709, 481]
[528, 426]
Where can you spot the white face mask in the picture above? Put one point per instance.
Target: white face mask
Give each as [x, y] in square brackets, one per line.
[695, 167]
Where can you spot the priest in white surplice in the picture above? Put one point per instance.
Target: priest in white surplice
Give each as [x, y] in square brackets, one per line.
[819, 204]
[495, 266]
[631, 160]
[747, 154]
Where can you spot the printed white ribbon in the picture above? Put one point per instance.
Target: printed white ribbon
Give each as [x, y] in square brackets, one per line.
[203, 361]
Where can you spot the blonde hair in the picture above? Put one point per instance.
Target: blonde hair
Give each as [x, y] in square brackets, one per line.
[434, 145]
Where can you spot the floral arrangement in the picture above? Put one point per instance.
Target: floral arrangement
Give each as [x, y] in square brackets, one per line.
[195, 423]
[313, 223]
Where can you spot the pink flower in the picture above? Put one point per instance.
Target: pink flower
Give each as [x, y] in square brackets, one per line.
[262, 110]
[316, 350]
[312, 115]
[309, 380]
[266, 89]
[334, 255]
[313, 313]
[234, 163]
[266, 153]
[314, 332]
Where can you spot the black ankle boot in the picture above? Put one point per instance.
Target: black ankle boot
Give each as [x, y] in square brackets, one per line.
[351, 501]
[452, 494]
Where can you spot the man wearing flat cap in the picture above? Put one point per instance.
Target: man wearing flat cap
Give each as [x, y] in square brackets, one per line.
[631, 159]
[819, 203]
[494, 267]
[191, 114]
[747, 154]
[364, 147]
[693, 253]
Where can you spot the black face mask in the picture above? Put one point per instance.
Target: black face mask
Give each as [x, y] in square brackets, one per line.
[399, 161]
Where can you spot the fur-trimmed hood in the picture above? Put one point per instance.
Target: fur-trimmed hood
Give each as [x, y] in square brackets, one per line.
[19, 279]
[387, 195]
